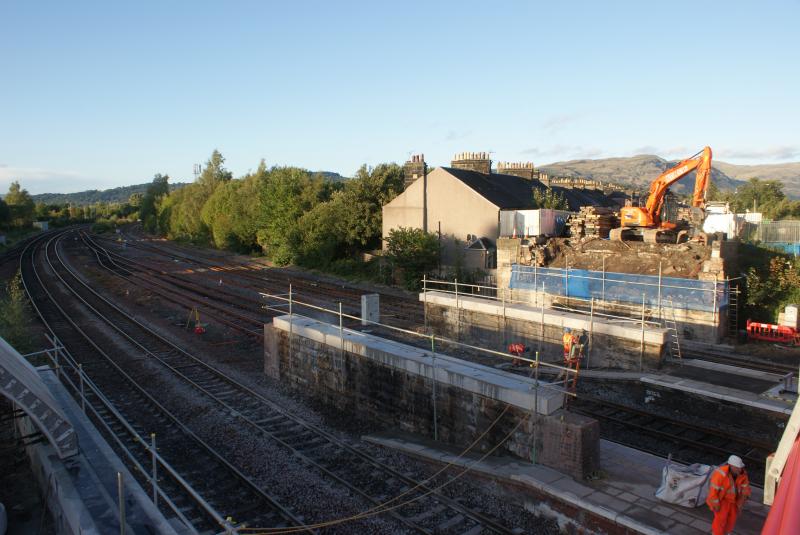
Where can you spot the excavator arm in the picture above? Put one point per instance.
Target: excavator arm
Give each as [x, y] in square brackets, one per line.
[658, 189]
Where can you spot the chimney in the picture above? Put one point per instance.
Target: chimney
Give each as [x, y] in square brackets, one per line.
[413, 169]
[473, 161]
[521, 169]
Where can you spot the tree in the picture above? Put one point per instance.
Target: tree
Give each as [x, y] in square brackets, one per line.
[148, 212]
[20, 204]
[14, 315]
[135, 199]
[414, 252]
[549, 198]
[286, 194]
[213, 173]
[5, 214]
[364, 196]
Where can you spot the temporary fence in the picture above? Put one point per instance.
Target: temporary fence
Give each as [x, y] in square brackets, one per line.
[778, 232]
[652, 290]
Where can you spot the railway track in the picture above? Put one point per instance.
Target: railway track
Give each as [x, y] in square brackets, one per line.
[403, 311]
[422, 508]
[198, 485]
[664, 436]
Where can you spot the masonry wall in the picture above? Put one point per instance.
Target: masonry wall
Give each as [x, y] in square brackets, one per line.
[488, 330]
[401, 400]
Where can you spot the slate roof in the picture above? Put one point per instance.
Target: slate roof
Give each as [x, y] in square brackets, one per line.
[509, 192]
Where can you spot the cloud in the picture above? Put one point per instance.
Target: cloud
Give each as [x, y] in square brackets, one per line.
[779, 152]
[564, 151]
[555, 123]
[679, 151]
[38, 180]
[452, 135]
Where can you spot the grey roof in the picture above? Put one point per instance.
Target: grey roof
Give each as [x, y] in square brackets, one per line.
[509, 192]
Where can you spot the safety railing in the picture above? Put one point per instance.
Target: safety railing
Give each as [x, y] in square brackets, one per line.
[70, 373]
[289, 305]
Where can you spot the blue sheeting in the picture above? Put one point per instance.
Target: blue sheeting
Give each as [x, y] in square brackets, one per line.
[690, 294]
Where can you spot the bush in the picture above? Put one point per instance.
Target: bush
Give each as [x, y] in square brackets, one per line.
[412, 253]
[14, 318]
[102, 226]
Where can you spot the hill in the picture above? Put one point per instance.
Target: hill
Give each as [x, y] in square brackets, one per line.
[113, 195]
[788, 173]
[636, 171]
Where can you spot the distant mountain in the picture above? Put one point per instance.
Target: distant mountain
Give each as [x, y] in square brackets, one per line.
[332, 176]
[637, 171]
[92, 196]
[788, 173]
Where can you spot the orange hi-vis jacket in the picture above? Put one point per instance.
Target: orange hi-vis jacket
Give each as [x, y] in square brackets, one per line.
[568, 340]
[723, 488]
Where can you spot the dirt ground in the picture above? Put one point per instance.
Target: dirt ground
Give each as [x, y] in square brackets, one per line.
[684, 260]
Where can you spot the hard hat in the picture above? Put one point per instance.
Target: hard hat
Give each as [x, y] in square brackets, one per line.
[735, 460]
[567, 330]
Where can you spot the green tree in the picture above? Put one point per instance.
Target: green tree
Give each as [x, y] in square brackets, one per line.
[21, 205]
[148, 212]
[758, 195]
[412, 251]
[364, 196]
[5, 214]
[135, 199]
[14, 319]
[213, 173]
[549, 198]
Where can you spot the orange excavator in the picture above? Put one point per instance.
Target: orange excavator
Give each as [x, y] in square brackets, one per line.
[655, 222]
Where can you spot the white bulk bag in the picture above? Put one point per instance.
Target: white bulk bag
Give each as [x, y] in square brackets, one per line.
[684, 485]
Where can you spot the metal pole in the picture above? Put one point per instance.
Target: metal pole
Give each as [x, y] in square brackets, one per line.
[541, 321]
[566, 276]
[591, 332]
[505, 328]
[425, 299]
[641, 344]
[291, 329]
[535, 276]
[535, 406]
[714, 310]
[341, 329]
[603, 297]
[660, 313]
[121, 494]
[433, 389]
[83, 396]
[458, 313]
[155, 468]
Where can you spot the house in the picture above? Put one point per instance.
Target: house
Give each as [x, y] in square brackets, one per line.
[462, 204]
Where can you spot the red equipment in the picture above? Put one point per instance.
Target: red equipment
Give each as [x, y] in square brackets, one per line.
[770, 332]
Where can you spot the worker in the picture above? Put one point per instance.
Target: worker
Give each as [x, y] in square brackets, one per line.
[517, 350]
[728, 489]
[568, 340]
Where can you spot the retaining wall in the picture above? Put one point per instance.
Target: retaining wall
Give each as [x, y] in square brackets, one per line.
[492, 324]
[392, 384]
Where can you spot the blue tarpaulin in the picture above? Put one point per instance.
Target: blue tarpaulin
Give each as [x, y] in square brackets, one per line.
[691, 294]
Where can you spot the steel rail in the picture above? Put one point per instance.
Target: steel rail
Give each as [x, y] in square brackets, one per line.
[283, 427]
[176, 424]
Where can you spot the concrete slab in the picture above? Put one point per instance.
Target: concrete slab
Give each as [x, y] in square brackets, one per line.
[511, 388]
[624, 497]
[740, 397]
[600, 325]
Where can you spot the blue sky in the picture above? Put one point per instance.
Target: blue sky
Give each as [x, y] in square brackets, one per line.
[103, 94]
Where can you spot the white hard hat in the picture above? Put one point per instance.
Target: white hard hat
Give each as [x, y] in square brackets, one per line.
[735, 460]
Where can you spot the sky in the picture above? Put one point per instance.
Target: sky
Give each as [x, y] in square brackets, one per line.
[106, 94]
